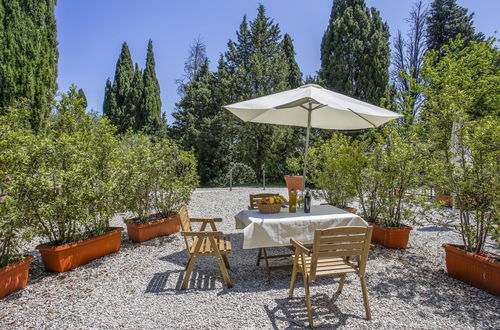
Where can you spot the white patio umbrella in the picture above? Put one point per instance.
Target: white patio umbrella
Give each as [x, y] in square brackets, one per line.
[312, 106]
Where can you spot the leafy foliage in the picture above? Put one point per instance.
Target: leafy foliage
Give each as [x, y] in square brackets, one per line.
[157, 177]
[329, 164]
[69, 184]
[463, 118]
[15, 140]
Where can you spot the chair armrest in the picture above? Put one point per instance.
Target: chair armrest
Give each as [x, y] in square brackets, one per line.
[205, 220]
[202, 233]
[300, 246]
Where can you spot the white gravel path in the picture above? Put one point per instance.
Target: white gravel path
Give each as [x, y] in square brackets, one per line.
[138, 287]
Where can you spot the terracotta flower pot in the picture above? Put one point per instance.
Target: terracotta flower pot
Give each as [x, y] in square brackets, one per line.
[14, 276]
[392, 238]
[142, 232]
[294, 182]
[481, 272]
[448, 200]
[68, 256]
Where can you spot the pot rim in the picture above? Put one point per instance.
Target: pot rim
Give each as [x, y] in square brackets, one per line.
[150, 223]
[66, 246]
[9, 267]
[458, 249]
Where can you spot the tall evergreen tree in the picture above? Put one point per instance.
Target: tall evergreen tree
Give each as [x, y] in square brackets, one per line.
[149, 117]
[28, 56]
[355, 54]
[134, 100]
[257, 66]
[109, 103]
[446, 21]
[82, 96]
[294, 73]
[115, 104]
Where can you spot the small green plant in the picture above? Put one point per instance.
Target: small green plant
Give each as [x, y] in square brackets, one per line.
[157, 177]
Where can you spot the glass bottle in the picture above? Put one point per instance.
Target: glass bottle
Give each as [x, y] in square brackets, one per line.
[292, 205]
[307, 202]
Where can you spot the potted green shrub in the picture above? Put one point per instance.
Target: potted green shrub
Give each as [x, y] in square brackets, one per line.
[70, 186]
[14, 229]
[329, 166]
[462, 114]
[473, 177]
[158, 177]
[385, 177]
[401, 162]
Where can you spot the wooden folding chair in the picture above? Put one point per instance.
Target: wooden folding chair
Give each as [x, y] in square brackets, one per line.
[331, 256]
[262, 254]
[204, 243]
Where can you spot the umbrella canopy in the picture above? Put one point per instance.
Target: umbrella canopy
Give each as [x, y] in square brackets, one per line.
[312, 106]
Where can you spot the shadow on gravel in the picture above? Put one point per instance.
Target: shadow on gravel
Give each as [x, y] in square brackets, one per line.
[419, 285]
[434, 228]
[294, 311]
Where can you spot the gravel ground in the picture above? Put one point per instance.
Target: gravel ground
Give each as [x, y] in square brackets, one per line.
[138, 287]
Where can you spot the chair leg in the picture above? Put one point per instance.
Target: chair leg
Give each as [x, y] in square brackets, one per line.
[365, 298]
[341, 284]
[226, 262]
[189, 270]
[294, 277]
[308, 301]
[267, 265]
[222, 266]
[258, 256]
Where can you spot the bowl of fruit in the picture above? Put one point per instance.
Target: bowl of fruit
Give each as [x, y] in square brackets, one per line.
[271, 204]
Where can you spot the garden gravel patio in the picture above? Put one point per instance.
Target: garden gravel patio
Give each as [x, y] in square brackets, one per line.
[138, 287]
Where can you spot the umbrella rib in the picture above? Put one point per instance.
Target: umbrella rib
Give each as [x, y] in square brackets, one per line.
[357, 114]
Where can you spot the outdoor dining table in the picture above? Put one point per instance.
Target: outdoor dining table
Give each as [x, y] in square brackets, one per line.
[265, 230]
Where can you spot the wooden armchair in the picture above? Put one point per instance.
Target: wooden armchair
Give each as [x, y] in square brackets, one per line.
[331, 256]
[255, 198]
[204, 243]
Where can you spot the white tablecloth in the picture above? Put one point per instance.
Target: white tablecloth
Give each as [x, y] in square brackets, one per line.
[272, 230]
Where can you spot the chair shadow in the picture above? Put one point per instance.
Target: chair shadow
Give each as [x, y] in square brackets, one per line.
[295, 312]
[199, 280]
[434, 229]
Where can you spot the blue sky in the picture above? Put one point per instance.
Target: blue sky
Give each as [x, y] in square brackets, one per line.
[90, 34]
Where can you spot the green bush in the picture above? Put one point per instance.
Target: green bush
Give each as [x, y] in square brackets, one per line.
[157, 177]
[242, 174]
[15, 140]
[69, 188]
[329, 164]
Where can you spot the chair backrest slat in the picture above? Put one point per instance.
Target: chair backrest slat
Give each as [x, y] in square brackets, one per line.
[341, 242]
[255, 198]
[185, 224]
[335, 247]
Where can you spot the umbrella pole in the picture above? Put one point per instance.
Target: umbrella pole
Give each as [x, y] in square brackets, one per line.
[307, 146]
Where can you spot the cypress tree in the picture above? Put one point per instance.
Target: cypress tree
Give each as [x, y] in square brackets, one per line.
[28, 56]
[355, 54]
[109, 103]
[119, 114]
[149, 116]
[294, 75]
[446, 21]
[134, 100]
